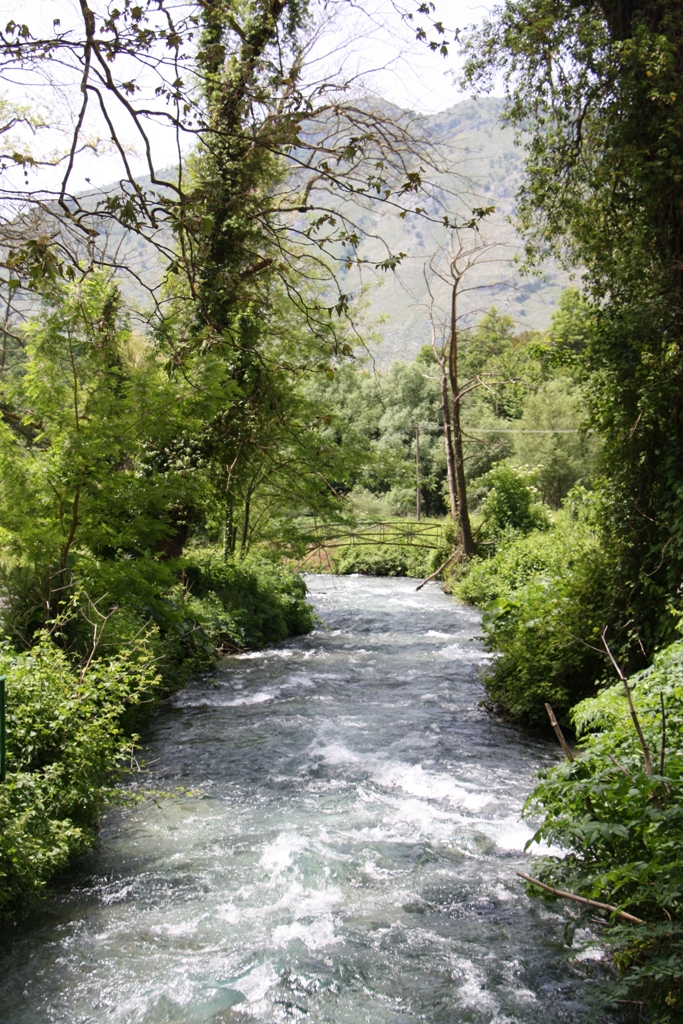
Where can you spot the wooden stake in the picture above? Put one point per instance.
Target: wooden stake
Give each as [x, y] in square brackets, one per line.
[558, 732]
[634, 717]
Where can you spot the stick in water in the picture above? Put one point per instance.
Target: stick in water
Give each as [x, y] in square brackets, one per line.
[440, 569]
[582, 899]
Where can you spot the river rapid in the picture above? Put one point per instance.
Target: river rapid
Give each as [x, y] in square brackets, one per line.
[344, 851]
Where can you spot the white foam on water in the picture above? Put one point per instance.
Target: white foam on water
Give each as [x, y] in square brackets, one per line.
[437, 635]
[271, 652]
[523, 995]
[279, 855]
[334, 753]
[544, 849]
[178, 930]
[256, 984]
[315, 935]
[414, 779]
[472, 989]
[414, 819]
[316, 653]
[309, 902]
[298, 681]
[459, 651]
[509, 834]
[376, 873]
[592, 953]
[253, 698]
[228, 913]
[117, 893]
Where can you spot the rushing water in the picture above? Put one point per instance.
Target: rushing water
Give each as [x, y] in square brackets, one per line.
[344, 850]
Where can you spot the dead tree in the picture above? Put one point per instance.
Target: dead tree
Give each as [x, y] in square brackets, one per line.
[452, 265]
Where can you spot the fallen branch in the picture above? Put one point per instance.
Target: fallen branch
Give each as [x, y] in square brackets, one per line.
[582, 899]
[450, 558]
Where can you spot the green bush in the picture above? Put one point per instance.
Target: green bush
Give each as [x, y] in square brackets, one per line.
[512, 502]
[545, 603]
[621, 830]
[244, 602]
[384, 560]
[521, 559]
[198, 606]
[66, 746]
[70, 728]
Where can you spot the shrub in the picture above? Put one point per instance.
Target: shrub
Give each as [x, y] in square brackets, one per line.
[384, 560]
[512, 502]
[621, 829]
[244, 602]
[66, 746]
[69, 727]
[197, 605]
[545, 601]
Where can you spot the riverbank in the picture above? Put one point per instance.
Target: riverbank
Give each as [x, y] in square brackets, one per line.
[73, 718]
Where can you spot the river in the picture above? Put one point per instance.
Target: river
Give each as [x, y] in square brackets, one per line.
[343, 850]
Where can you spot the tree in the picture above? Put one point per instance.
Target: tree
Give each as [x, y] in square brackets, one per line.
[227, 80]
[465, 250]
[550, 440]
[598, 88]
[253, 224]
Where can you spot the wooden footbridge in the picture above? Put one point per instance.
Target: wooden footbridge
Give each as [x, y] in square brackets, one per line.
[425, 534]
[330, 537]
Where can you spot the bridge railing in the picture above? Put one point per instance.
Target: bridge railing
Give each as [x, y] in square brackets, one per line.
[403, 532]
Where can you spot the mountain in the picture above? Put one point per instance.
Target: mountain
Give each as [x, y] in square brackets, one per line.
[487, 170]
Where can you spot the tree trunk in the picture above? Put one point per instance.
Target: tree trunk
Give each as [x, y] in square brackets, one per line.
[245, 524]
[448, 440]
[418, 496]
[229, 535]
[464, 527]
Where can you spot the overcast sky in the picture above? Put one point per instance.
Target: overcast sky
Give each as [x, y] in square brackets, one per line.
[365, 41]
[383, 48]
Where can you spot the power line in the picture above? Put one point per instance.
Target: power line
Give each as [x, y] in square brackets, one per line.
[514, 430]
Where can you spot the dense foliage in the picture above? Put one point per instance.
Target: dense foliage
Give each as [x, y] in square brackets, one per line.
[597, 91]
[541, 590]
[397, 559]
[153, 478]
[620, 826]
[598, 88]
[528, 417]
[65, 741]
[70, 719]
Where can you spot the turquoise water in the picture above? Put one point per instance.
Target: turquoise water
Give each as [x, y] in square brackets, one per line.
[345, 851]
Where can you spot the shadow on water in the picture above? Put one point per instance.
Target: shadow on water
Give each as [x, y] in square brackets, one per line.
[344, 850]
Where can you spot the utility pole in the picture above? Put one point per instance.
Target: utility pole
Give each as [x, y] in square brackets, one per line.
[418, 503]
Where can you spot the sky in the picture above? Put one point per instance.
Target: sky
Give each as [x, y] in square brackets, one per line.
[364, 41]
[392, 62]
